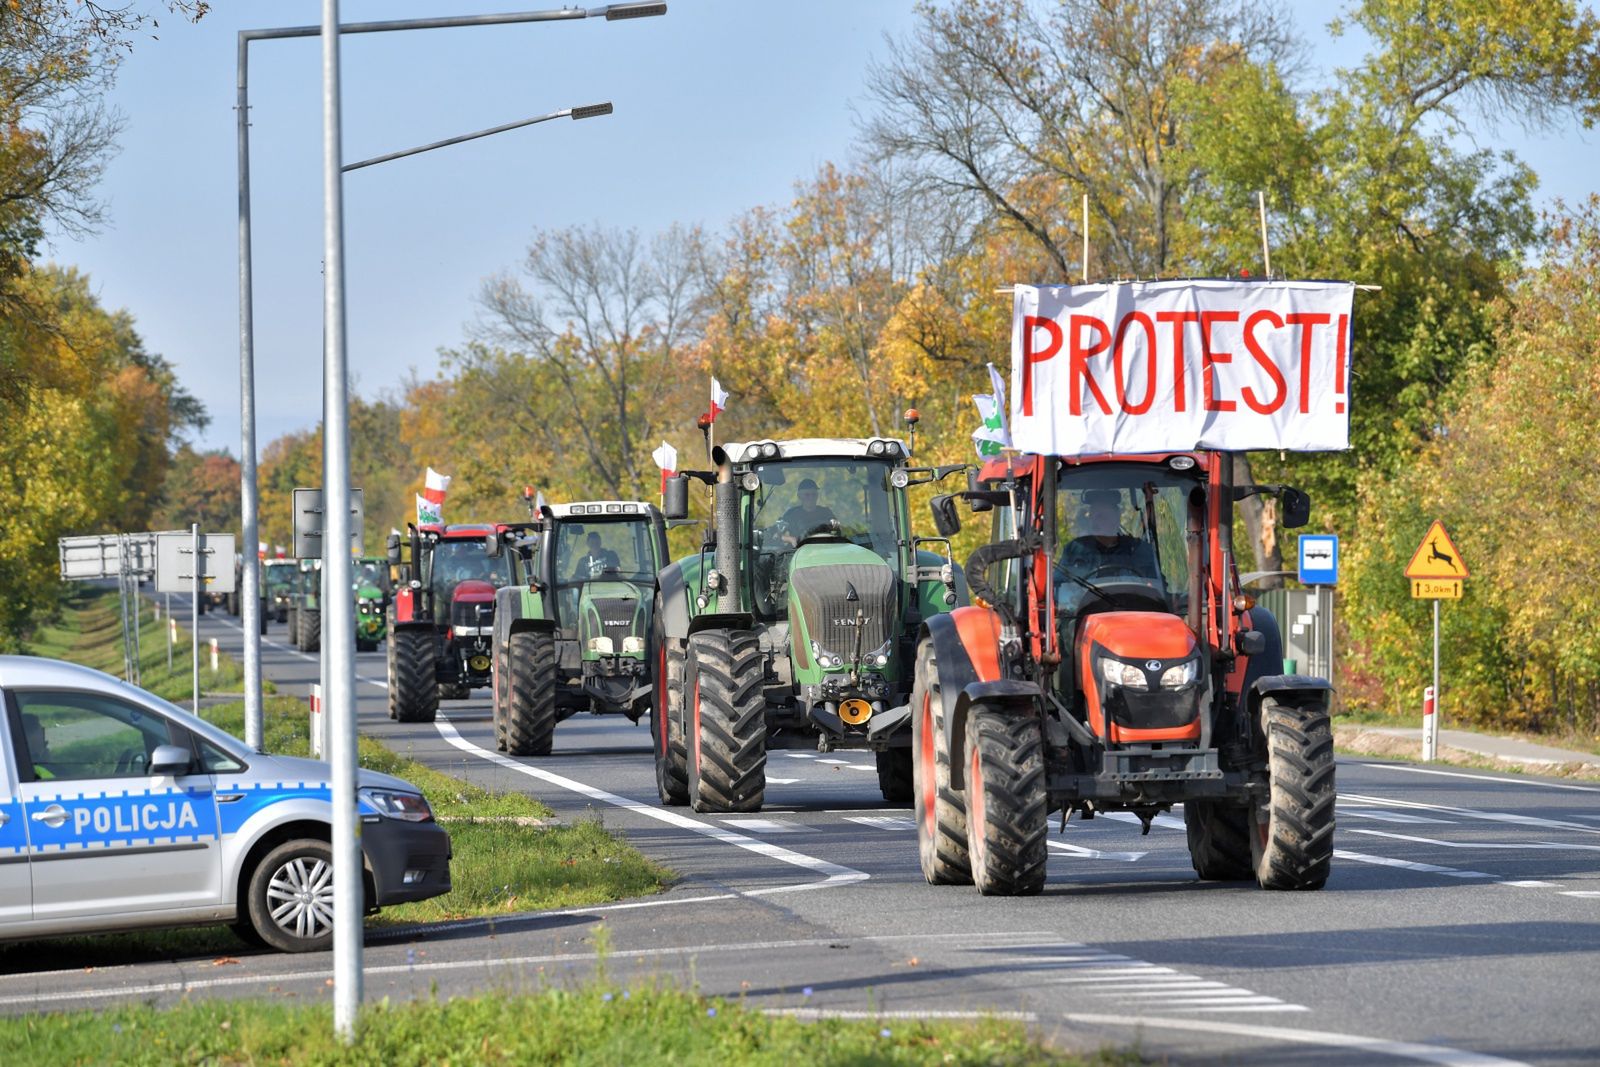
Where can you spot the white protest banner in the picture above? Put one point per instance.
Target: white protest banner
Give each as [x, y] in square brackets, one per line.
[1172, 366]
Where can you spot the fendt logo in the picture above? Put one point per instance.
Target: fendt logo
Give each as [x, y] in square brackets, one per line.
[849, 622]
[618, 622]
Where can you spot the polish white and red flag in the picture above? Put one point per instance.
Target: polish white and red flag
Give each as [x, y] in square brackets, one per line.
[719, 400]
[430, 502]
[666, 458]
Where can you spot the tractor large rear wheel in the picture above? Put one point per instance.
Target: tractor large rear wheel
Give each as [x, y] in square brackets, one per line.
[292, 623]
[894, 774]
[531, 693]
[312, 621]
[1292, 846]
[666, 718]
[414, 681]
[941, 812]
[1007, 812]
[728, 727]
[1219, 840]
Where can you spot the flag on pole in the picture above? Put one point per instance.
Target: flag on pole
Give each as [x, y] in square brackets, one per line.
[261, 550]
[538, 502]
[666, 458]
[719, 399]
[428, 512]
[430, 504]
[992, 436]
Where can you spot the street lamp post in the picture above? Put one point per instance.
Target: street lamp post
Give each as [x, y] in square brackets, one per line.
[338, 636]
[249, 498]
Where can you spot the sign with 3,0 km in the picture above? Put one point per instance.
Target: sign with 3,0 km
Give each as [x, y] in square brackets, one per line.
[1436, 569]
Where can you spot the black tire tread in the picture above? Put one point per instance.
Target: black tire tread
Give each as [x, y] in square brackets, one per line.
[895, 774]
[728, 669]
[944, 856]
[1219, 840]
[1015, 827]
[531, 693]
[1297, 850]
[672, 767]
[413, 683]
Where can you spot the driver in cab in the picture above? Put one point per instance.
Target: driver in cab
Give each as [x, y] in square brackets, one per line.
[807, 515]
[597, 561]
[1101, 547]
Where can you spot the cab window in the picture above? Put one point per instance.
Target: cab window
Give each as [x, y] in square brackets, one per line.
[69, 736]
[587, 551]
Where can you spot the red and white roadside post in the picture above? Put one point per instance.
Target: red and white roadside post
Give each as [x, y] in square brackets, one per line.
[1430, 724]
[317, 721]
[215, 663]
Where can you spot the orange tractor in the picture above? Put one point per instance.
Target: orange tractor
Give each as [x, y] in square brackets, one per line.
[1112, 663]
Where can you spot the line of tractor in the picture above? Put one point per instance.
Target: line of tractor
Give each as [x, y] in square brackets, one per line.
[1097, 654]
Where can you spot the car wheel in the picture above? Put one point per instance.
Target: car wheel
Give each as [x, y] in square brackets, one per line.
[291, 897]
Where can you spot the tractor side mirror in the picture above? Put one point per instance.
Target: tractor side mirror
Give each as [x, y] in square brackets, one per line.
[675, 499]
[945, 518]
[392, 549]
[1252, 643]
[1296, 508]
[491, 545]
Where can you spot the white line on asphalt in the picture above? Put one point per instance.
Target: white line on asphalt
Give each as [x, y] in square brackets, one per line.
[1097, 854]
[801, 755]
[827, 1013]
[766, 826]
[1486, 816]
[834, 874]
[783, 781]
[1480, 777]
[1346, 811]
[1373, 1046]
[1167, 822]
[1586, 894]
[1531, 846]
[1528, 883]
[1409, 865]
[896, 823]
[861, 767]
[1172, 987]
[841, 762]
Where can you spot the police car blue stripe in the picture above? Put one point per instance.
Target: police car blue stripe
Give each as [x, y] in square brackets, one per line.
[257, 798]
[159, 816]
[13, 831]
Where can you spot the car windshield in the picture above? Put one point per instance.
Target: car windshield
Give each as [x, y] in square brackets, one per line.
[1122, 525]
[615, 549]
[804, 497]
[454, 562]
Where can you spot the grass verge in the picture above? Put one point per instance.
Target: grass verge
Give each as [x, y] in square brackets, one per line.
[90, 632]
[598, 1024]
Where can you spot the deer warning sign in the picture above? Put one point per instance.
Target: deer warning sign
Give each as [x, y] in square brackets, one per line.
[1436, 558]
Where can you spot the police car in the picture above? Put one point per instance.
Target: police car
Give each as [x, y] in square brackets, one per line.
[119, 810]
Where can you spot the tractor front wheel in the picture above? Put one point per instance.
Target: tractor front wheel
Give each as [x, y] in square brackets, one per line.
[531, 693]
[1219, 840]
[1292, 843]
[894, 774]
[312, 637]
[728, 727]
[293, 625]
[414, 681]
[666, 720]
[1007, 814]
[941, 812]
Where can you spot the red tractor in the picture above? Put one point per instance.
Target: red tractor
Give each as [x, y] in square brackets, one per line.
[442, 624]
[1112, 663]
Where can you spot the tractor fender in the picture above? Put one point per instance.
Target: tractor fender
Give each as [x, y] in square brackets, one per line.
[726, 620]
[1012, 695]
[1292, 689]
[967, 650]
[673, 597]
[517, 609]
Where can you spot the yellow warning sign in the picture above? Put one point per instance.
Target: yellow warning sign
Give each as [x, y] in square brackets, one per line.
[1436, 588]
[1436, 557]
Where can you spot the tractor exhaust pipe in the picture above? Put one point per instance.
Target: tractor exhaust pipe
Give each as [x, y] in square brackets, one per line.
[727, 526]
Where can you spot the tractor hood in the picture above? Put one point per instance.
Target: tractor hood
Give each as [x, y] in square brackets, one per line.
[472, 591]
[835, 591]
[613, 619]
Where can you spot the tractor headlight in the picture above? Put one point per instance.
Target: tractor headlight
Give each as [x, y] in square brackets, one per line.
[899, 477]
[601, 646]
[878, 657]
[1116, 672]
[875, 448]
[632, 645]
[1181, 674]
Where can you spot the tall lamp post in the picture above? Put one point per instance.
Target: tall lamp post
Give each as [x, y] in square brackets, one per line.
[339, 636]
[249, 497]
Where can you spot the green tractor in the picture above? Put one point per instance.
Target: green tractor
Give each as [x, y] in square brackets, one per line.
[572, 634]
[370, 583]
[305, 606]
[277, 583]
[795, 626]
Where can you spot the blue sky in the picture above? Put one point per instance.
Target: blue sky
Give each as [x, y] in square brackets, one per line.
[721, 105]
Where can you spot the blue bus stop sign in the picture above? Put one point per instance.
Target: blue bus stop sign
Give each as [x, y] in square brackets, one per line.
[1319, 559]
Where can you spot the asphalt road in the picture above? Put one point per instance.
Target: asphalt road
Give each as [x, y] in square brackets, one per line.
[1459, 925]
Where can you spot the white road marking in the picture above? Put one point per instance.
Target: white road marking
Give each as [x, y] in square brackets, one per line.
[1367, 1046]
[801, 755]
[1586, 894]
[1531, 846]
[896, 823]
[783, 781]
[765, 826]
[840, 762]
[834, 874]
[1486, 816]
[862, 767]
[1389, 816]
[1097, 854]
[1167, 822]
[1409, 865]
[1529, 883]
[1480, 777]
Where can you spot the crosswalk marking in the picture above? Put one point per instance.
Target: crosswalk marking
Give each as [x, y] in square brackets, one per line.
[1168, 822]
[1389, 816]
[896, 823]
[765, 826]
[1097, 854]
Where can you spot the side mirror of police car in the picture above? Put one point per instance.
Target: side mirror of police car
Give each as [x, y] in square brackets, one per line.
[171, 759]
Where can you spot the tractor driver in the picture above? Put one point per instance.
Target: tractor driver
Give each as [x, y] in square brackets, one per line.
[1102, 547]
[597, 561]
[807, 515]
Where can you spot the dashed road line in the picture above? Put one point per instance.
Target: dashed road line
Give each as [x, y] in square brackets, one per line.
[1480, 777]
[1486, 816]
[1529, 846]
[1410, 865]
[896, 823]
[1097, 854]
